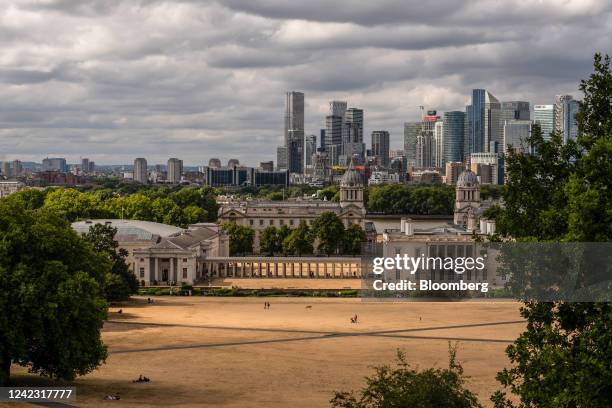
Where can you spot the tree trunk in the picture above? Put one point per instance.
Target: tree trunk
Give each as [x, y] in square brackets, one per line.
[5, 369]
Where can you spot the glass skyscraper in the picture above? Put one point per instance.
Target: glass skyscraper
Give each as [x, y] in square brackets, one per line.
[544, 115]
[411, 131]
[453, 140]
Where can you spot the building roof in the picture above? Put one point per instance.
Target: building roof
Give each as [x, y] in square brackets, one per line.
[351, 177]
[130, 230]
[187, 238]
[467, 179]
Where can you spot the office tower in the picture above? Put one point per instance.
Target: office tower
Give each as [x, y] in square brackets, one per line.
[484, 122]
[310, 148]
[54, 164]
[354, 124]
[565, 110]
[140, 170]
[516, 134]
[85, 165]
[544, 115]
[6, 169]
[453, 140]
[92, 166]
[338, 108]
[438, 144]
[380, 147]
[322, 138]
[214, 163]
[17, 168]
[294, 131]
[515, 110]
[425, 144]
[411, 131]
[175, 170]
[233, 162]
[334, 130]
[281, 158]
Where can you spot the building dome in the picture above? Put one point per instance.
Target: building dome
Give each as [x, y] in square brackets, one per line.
[350, 178]
[467, 179]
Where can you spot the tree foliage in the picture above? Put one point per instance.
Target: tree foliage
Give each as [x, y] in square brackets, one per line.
[51, 294]
[403, 386]
[122, 283]
[328, 229]
[240, 238]
[562, 193]
[299, 241]
[402, 199]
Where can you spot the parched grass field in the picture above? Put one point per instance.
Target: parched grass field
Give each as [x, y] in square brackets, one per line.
[230, 352]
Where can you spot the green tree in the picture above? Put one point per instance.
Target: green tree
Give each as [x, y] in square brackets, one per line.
[299, 241]
[123, 282]
[75, 205]
[403, 386]
[354, 236]
[240, 238]
[51, 295]
[563, 193]
[329, 231]
[268, 241]
[193, 214]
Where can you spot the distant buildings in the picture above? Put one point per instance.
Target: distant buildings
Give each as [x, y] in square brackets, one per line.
[488, 167]
[453, 140]
[453, 170]
[380, 147]
[310, 148]
[335, 130]
[243, 176]
[54, 164]
[516, 134]
[294, 131]
[9, 187]
[175, 170]
[483, 128]
[515, 110]
[411, 131]
[544, 115]
[565, 110]
[140, 170]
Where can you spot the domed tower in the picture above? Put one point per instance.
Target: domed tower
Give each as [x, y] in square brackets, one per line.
[467, 198]
[351, 188]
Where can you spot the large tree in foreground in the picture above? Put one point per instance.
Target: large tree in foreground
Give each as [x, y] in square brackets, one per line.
[563, 193]
[51, 295]
[403, 386]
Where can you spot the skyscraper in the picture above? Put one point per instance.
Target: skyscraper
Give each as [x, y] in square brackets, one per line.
[354, 124]
[484, 122]
[335, 130]
[516, 133]
[310, 148]
[85, 165]
[438, 144]
[6, 169]
[544, 115]
[380, 147]
[515, 110]
[294, 130]
[411, 131]
[454, 128]
[425, 143]
[175, 169]
[281, 158]
[565, 110]
[140, 170]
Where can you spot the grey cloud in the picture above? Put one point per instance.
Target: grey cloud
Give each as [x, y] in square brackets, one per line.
[113, 80]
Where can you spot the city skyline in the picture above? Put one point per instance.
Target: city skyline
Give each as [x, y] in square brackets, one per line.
[126, 83]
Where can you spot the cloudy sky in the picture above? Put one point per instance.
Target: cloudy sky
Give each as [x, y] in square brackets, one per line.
[112, 80]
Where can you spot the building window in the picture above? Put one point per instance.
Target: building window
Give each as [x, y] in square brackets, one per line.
[184, 259]
[141, 259]
[271, 222]
[261, 222]
[282, 222]
[141, 272]
[290, 222]
[184, 273]
[251, 222]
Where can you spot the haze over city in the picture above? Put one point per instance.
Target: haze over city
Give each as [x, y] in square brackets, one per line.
[115, 80]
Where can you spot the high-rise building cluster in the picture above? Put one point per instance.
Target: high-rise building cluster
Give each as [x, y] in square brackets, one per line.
[482, 134]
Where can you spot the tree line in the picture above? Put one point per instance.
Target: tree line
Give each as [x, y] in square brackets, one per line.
[326, 235]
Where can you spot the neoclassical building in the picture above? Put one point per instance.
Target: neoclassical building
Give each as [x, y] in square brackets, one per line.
[259, 214]
[468, 206]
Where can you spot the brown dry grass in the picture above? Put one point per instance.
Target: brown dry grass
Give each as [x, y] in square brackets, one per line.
[230, 352]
